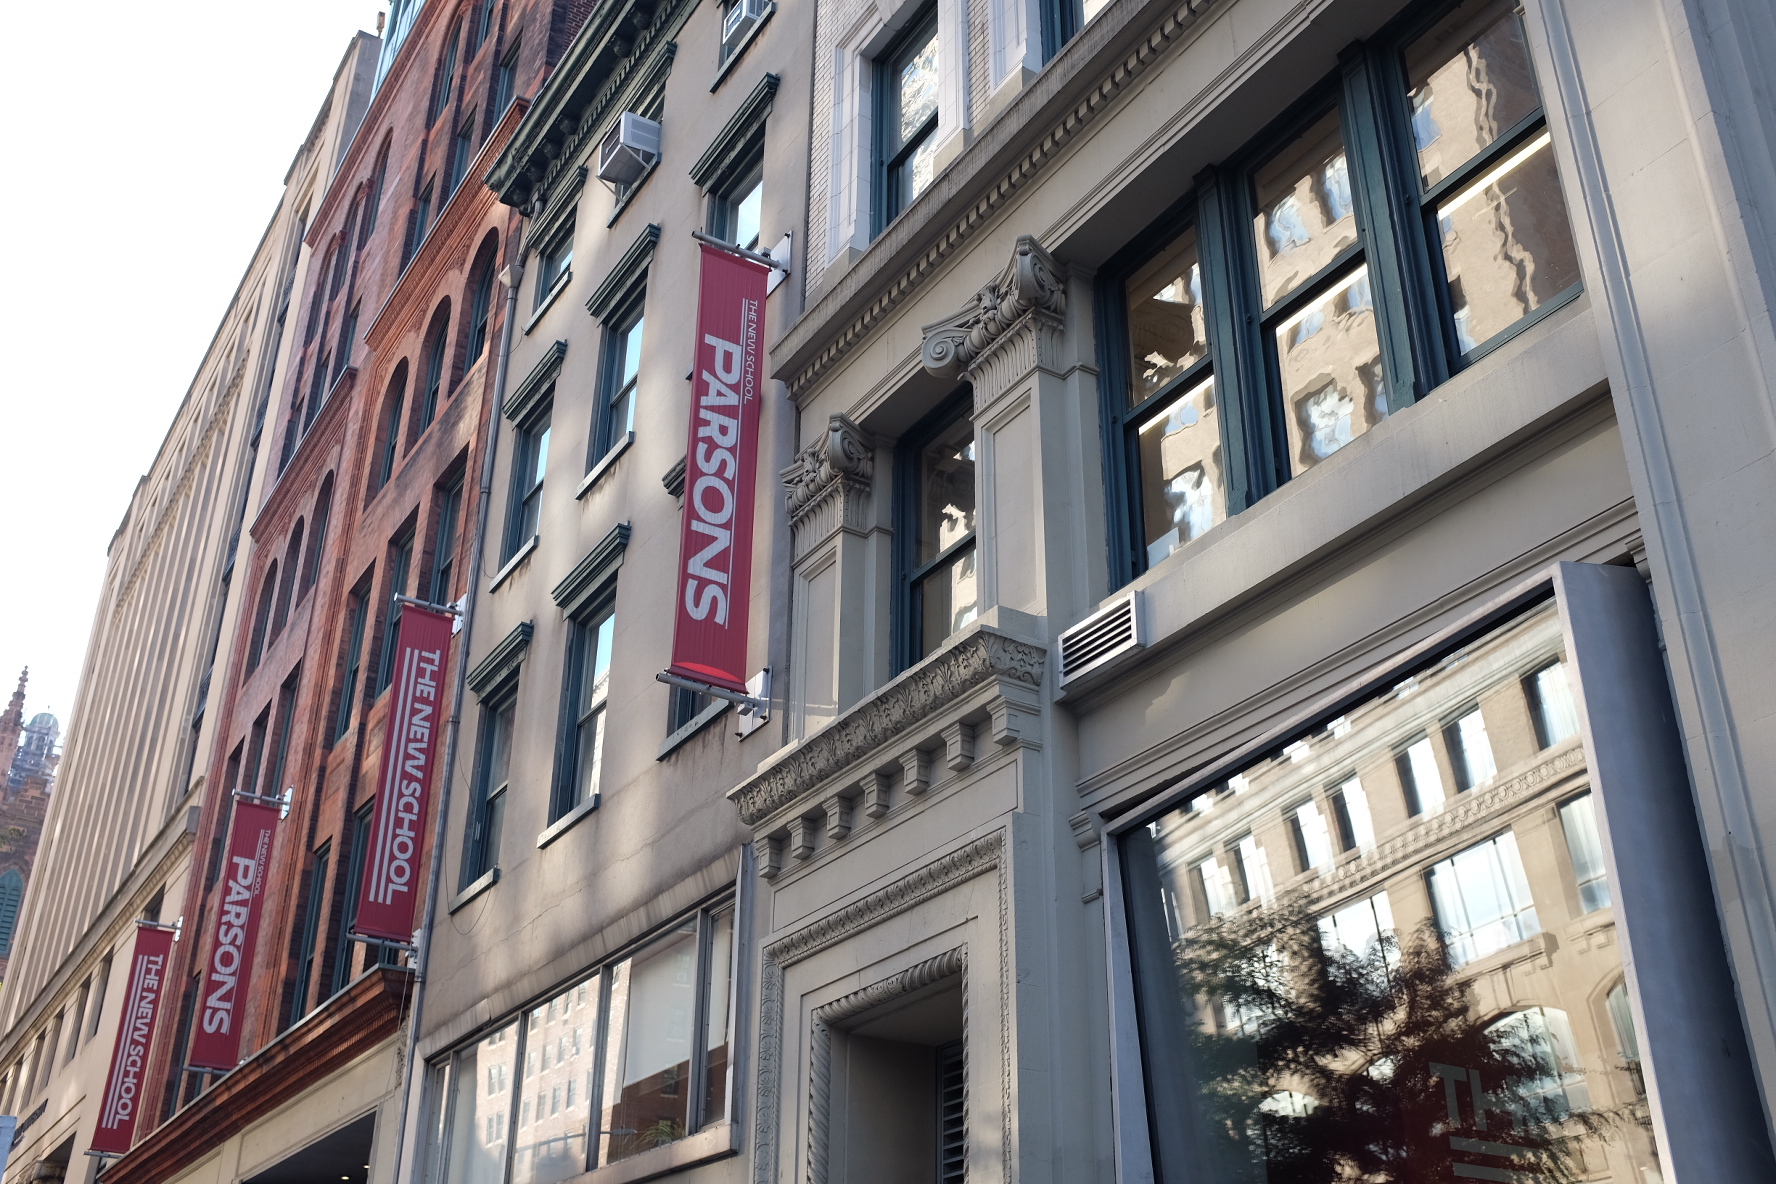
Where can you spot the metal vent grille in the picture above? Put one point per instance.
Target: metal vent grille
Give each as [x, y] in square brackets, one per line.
[952, 1115]
[1107, 633]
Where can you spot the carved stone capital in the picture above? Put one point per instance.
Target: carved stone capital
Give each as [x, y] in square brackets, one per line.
[1031, 282]
[827, 487]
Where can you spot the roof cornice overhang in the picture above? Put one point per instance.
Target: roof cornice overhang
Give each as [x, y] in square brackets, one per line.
[1108, 59]
[608, 49]
[345, 1028]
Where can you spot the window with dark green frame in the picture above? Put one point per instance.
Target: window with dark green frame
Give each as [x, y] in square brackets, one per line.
[906, 119]
[447, 70]
[391, 428]
[493, 766]
[622, 371]
[530, 462]
[357, 615]
[462, 152]
[344, 948]
[480, 310]
[585, 694]
[938, 591]
[1400, 221]
[505, 86]
[443, 580]
[311, 934]
[400, 564]
[436, 349]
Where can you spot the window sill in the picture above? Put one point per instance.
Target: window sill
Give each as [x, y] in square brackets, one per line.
[542, 307]
[624, 201]
[722, 71]
[565, 823]
[514, 563]
[704, 718]
[714, 1142]
[475, 888]
[604, 465]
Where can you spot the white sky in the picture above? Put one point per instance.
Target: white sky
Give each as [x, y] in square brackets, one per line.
[145, 155]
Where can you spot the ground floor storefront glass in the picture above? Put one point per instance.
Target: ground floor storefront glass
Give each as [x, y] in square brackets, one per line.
[1386, 950]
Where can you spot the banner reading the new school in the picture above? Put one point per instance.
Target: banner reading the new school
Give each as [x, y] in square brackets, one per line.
[135, 1036]
[215, 1040]
[391, 887]
[715, 548]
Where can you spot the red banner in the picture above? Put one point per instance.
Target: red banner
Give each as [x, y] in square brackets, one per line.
[715, 548]
[215, 1040]
[390, 889]
[135, 1036]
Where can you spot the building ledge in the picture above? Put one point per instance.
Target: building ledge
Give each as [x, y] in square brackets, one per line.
[340, 1031]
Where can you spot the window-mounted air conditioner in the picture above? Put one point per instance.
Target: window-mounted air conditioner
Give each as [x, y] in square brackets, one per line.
[630, 150]
[739, 20]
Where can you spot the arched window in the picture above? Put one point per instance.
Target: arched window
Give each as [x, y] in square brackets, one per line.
[292, 556]
[391, 425]
[318, 543]
[437, 339]
[262, 616]
[382, 164]
[447, 70]
[480, 299]
[338, 256]
[12, 894]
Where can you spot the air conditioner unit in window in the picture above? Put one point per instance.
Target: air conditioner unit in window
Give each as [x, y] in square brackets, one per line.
[739, 20]
[630, 149]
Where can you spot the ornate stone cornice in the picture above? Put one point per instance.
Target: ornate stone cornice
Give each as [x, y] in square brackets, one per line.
[625, 274]
[877, 720]
[593, 572]
[1031, 282]
[828, 486]
[502, 660]
[1050, 117]
[724, 152]
[522, 398]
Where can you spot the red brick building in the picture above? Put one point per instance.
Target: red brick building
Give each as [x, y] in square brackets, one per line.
[377, 439]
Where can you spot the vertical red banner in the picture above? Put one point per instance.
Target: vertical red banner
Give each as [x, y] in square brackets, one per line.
[135, 1036]
[715, 547]
[215, 1040]
[391, 887]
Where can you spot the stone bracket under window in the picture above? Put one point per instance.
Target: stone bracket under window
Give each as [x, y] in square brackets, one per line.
[591, 574]
[626, 276]
[527, 394]
[728, 153]
[502, 661]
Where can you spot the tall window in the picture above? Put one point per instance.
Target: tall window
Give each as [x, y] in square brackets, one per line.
[310, 948]
[422, 220]
[939, 591]
[622, 368]
[447, 70]
[357, 616]
[493, 768]
[444, 546]
[588, 690]
[480, 25]
[317, 387]
[317, 543]
[734, 216]
[400, 564]
[1482, 899]
[1551, 704]
[434, 368]
[480, 312]
[375, 202]
[462, 152]
[906, 120]
[1470, 750]
[262, 617]
[287, 586]
[273, 785]
[553, 263]
[1578, 820]
[344, 947]
[530, 460]
[505, 83]
[12, 894]
[632, 1058]
[1256, 333]
[391, 428]
[348, 336]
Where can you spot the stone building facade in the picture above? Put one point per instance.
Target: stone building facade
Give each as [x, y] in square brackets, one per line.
[32, 753]
[117, 839]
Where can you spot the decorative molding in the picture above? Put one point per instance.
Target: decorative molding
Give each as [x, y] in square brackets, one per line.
[978, 658]
[502, 660]
[949, 964]
[562, 204]
[826, 336]
[736, 136]
[674, 480]
[593, 572]
[527, 394]
[1031, 282]
[977, 858]
[630, 270]
[827, 488]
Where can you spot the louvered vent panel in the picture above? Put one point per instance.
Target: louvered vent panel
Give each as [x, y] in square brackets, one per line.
[1107, 633]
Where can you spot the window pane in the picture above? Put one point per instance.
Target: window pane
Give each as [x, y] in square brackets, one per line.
[1167, 334]
[1330, 361]
[746, 216]
[717, 990]
[647, 1064]
[499, 750]
[949, 598]
[916, 88]
[632, 351]
[1470, 752]
[558, 1062]
[1507, 244]
[1469, 82]
[1183, 488]
[946, 491]
[1578, 818]
[1305, 215]
[1556, 716]
[481, 1089]
[1393, 1020]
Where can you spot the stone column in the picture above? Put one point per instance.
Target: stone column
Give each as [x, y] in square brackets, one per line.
[840, 560]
